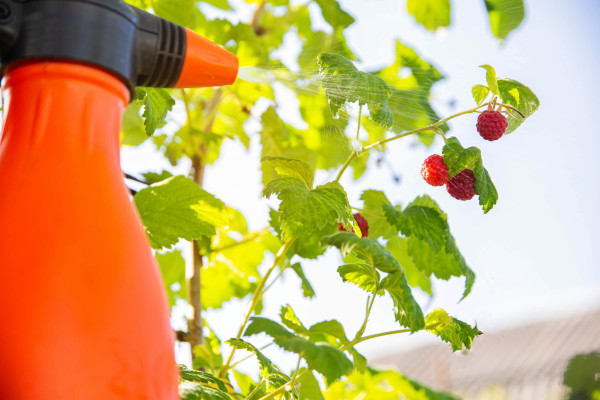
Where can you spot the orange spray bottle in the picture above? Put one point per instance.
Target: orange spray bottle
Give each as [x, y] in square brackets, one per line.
[83, 311]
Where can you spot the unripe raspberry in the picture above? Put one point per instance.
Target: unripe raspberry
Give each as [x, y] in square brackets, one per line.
[462, 186]
[361, 222]
[491, 125]
[435, 171]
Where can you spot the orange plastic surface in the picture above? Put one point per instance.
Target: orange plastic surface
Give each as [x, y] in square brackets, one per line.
[206, 64]
[84, 314]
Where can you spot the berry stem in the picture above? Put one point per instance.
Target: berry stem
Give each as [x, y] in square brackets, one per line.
[359, 120]
[435, 126]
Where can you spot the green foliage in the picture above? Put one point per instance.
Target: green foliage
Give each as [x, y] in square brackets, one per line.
[307, 289]
[379, 226]
[480, 93]
[505, 16]
[582, 377]
[304, 211]
[172, 267]
[200, 385]
[432, 14]
[362, 275]
[490, 77]
[457, 158]
[321, 357]
[343, 82]
[157, 103]
[177, 208]
[450, 329]
[265, 364]
[520, 97]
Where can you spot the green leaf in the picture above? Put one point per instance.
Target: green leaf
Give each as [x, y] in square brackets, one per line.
[265, 363]
[407, 310]
[520, 97]
[192, 391]
[458, 158]
[582, 376]
[132, 127]
[321, 357]
[200, 376]
[343, 82]
[304, 211]
[331, 327]
[432, 14]
[222, 4]
[505, 15]
[334, 15]
[415, 276]
[307, 289]
[379, 226]
[177, 208]
[360, 361]
[155, 177]
[291, 321]
[480, 93]
[180, 12]
[172, 267]
[490, 77]
[450, 329]
[157, 103]
[290, 167]
[366, 249]
[362, 275]
[309, 387]
[425, 223]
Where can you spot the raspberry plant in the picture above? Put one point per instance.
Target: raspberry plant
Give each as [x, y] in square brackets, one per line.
[387, 249]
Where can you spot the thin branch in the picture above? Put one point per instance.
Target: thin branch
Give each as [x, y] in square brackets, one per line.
[135, 179]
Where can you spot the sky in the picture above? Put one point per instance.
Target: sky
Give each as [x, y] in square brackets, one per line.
[536, 254]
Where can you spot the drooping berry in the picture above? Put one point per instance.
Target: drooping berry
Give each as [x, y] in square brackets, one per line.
[462, 186]
[491, 125]
[362, 224]
[434, 170]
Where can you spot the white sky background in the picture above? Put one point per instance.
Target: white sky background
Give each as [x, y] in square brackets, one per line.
[536, 254]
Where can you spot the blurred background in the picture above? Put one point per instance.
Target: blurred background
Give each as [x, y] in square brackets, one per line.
[536, 255]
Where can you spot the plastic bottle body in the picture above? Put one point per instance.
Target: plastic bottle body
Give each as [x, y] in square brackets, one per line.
[84, 314]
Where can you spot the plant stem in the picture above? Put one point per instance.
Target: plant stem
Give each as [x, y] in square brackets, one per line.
[284, 388]
[255, 298]
[355, 154]
[368, 312]
[256, 389]
[359, 120]
[250, 356]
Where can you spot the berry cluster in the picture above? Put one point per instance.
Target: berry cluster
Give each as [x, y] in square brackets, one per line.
[435, 172]
[362, 223]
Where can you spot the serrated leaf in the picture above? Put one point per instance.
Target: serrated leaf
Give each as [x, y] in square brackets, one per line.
[307, 289]
[415, 276]
[304, 211]
[480, 93]
[265, 363]
[172, 268]
[373, 201]
[424, 223]
[362, 275]
[432, 14]
[366, 249]
[458, 158]
[343, 82]
[309, 387]
[490, 77]
[191, 375]
[321, 357]
[177, 208]
[155, 177]
[360, 361]
[505, 15]
[133, 132]
[192, 391]
[290, 167]
[520, 97]
[157, 103]
[291, 321]
[406, 308]
[331, 327]
[450, 329]
[334, 15]
[582, 376]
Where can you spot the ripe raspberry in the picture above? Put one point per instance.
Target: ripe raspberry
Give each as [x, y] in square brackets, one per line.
[434, 170]
[491, 125]
[362, 224]
[462, 186]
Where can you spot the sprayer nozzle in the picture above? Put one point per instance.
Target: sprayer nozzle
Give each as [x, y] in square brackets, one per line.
[206, 64]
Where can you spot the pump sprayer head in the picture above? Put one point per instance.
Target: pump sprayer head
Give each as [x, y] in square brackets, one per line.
[140, 48]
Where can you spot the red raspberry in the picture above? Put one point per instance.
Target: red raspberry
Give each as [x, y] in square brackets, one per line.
[434, 170]
[462, 186]
[491, 125]
[361, 222]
